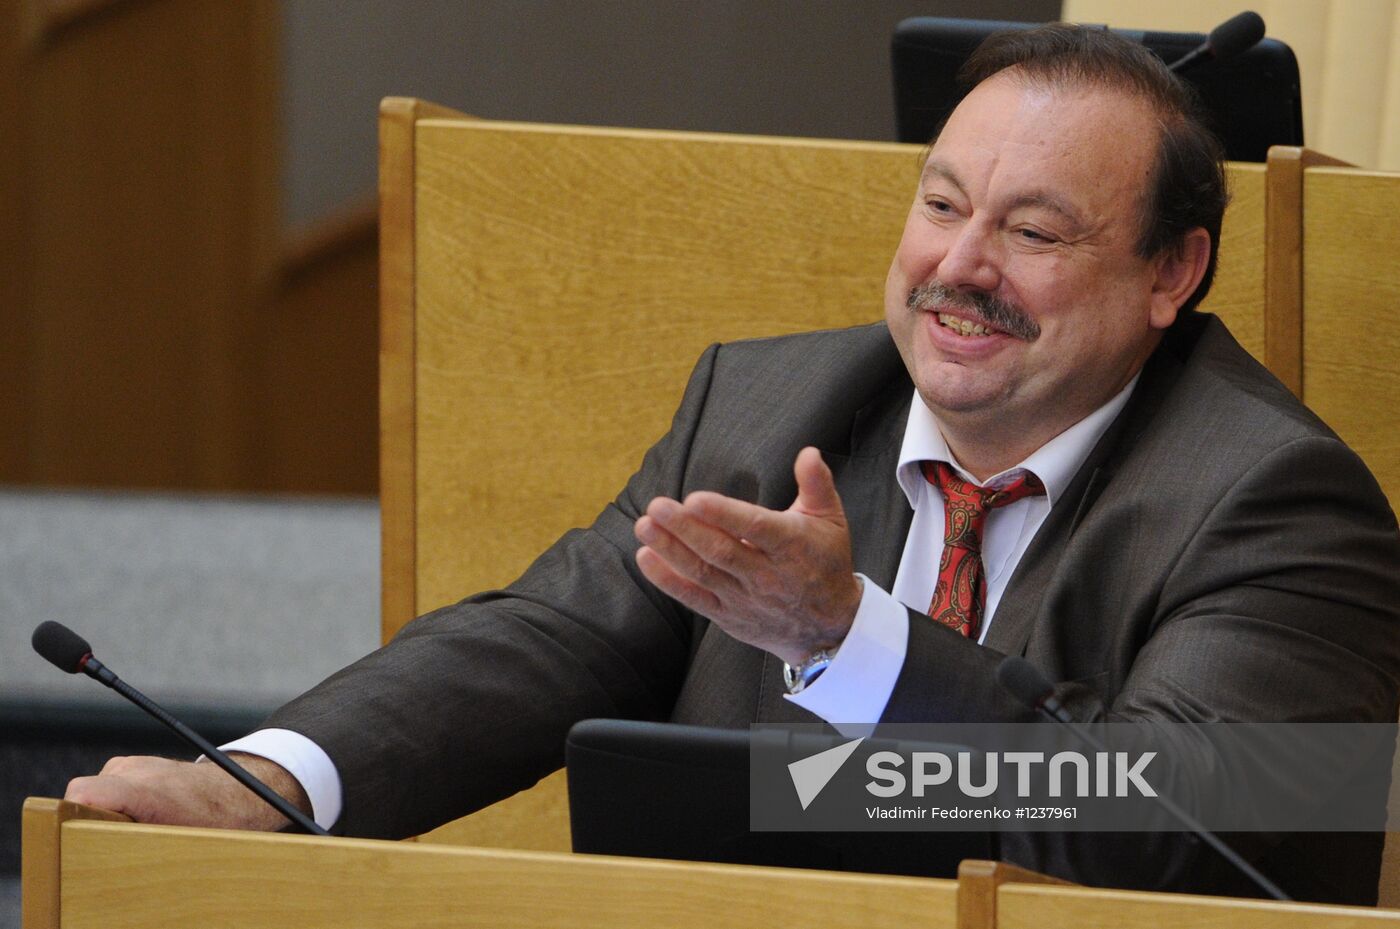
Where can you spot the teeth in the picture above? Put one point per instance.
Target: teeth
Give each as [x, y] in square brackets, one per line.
[966, 327]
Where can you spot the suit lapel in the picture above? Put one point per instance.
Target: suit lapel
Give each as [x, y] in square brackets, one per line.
[877, 509]
[1020, 608]
[878, 512]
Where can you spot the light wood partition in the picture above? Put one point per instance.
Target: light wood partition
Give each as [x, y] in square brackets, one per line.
[1023, 906]
[114, 875]
[1240, 293]
[1283, 260]
[1351, 293]
[83, 868]
[41, 838]
[1351, 346]
[550, 287]
[979, 886]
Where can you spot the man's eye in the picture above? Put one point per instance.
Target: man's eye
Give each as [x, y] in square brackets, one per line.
[939, 206]
[1034, 236]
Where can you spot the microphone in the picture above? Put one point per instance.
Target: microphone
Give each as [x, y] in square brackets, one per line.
[1026, 683]
[1236, 35]
[70, 652]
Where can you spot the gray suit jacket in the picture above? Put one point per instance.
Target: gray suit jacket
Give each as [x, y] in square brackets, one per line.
[1220, 556]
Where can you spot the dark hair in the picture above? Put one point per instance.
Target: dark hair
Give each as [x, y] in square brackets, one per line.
[1188, 188]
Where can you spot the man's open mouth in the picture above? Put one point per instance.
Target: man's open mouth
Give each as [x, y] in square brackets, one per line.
[992, 315]
[965, 326]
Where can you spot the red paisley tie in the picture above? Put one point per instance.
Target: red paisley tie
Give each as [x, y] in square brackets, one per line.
[961, 593]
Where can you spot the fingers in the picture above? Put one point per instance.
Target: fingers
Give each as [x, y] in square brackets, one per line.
[691, 595]
[711, 531]
[779, 580]
[95, 791]
[698, 549]
[816, 488]
[123, 786]
[762, 528]
[771, 530]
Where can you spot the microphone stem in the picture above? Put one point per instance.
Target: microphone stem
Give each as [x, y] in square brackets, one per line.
[1190, 58]
[1052, 709]
[95, 669]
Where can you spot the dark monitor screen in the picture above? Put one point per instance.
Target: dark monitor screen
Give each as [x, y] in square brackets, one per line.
[1252, 101]
[659, 790]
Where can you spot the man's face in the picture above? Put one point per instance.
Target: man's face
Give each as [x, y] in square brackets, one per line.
[1027, 218]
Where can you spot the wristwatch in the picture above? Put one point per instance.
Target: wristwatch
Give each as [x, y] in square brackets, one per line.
[799, 678]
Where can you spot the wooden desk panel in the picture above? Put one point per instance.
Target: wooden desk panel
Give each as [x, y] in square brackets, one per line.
[1023, 906]
[150, 877]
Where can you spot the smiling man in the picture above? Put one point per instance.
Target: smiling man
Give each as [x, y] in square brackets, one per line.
[1044, 450]
[1033, 303]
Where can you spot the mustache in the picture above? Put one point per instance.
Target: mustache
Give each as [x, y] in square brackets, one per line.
[991, 310]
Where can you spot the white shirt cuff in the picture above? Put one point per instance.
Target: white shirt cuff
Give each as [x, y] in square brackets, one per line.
[305, 761]
[852, 692]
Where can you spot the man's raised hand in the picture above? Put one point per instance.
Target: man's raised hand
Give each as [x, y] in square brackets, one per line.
[779, 580]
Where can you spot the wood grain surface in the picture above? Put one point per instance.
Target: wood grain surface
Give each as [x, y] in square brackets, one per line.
[1283, 260]
[155, 877]
[1238, 295]
[397, 478]
[1025, 906]
[41, 877]
[979, 883]
[1351, 293]
[567, 279]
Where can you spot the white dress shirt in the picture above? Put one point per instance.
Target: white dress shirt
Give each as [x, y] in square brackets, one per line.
[852, 692]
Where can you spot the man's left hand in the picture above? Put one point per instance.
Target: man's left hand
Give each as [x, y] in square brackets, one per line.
[780, 580]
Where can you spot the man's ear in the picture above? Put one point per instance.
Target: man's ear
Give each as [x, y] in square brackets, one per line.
[1178, 272]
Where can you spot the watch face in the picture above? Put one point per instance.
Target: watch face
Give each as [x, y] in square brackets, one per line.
[804, 674]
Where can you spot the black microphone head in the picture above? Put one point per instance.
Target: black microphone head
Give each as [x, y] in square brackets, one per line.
[1024, 680]
[60, 646]
[1237, 34]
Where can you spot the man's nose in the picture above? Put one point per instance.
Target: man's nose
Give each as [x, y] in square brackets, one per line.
[972, 261]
